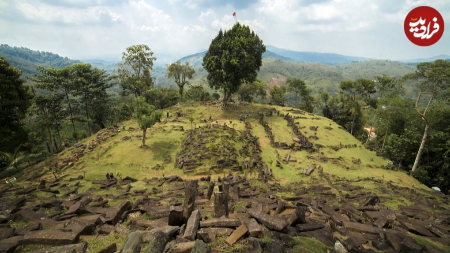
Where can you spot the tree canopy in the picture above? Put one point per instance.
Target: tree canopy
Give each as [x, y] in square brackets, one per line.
[14, 102]
[134, 72]
[233, 57]
[181, 73]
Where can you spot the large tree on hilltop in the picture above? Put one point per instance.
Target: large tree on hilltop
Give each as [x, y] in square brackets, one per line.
[233, 57]
[134, 72]
[14, 102]
[433, 82]
[181, 73]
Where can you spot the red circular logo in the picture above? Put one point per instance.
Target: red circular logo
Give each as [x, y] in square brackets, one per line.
[424, 26]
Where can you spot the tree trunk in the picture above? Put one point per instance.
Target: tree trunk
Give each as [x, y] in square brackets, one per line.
[144, 132]
[50, 140]
[425, 133]
[422, 145]
[181, 93]
[87, 115]
[71, 113]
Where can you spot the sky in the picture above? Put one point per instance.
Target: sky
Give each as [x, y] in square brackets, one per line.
[103, 29]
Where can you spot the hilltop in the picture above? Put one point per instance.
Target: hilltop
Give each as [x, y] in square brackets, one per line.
[278, 163]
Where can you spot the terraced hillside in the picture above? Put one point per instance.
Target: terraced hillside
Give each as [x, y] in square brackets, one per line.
[284, 180]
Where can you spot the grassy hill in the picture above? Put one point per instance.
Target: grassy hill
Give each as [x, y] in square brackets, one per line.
[272, 147]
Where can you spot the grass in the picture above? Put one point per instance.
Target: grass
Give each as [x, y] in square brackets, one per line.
[308, 245]
[437, 246]
[97, 243]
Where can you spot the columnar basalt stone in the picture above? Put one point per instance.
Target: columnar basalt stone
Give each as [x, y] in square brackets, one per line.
[201, 247]
[220, 205]
[192, 225]
[189, 198]
[133, 243]
[271, 222]
[176, 216]
[210, 190]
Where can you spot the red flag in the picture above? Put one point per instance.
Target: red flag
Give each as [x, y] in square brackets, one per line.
[234, 14]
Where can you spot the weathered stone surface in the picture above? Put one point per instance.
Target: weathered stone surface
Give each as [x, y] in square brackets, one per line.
[201, 247]
[362, 228]
[31, 216]
[132, 244]
[50, 237]
[254, 229]
[297, 217]
[209, 234]
[7, 247]
[271, 222]
[151, 224]
[157, 211]
[308, 227]
[210, 190]
[121, 229]
[274, 246]
[110, 249]
[176, 216]
[237, 234]
[169, 231]
[157, 242]
[394, 241]
[184, 247]
[220, 205]
[106, 229]
[438, 231]
[354, 240]
[324, 235]
[75, 208]
[189, 198]
[408, 245]
[5, 233]
[8, 206]
[72, 248]
[417, 229]
[220, 222]
[114, 214]
[192, 225]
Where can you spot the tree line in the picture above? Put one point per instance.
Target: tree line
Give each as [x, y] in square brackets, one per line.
[73, 102]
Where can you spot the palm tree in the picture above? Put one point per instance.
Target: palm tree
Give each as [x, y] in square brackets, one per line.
[13, 159]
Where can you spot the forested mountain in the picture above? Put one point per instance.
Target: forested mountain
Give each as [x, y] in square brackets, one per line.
[27, 60]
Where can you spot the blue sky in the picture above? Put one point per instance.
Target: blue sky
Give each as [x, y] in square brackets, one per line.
[102, 29]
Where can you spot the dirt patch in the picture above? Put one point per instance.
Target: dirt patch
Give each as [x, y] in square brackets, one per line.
[404, 181]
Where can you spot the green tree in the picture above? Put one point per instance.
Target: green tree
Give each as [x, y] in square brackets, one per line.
[146, 115]
[48, 112]
[388, 87]
[11, 160]
[197, 93]
[15, 99]
[57, 80]
[134, 72]
[162, 97]
[91, 84]
[433, 80]
[278, 94]
[249, 92]
[181, 73]
[233, 57]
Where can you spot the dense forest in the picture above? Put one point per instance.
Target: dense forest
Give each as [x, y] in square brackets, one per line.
[406, 106]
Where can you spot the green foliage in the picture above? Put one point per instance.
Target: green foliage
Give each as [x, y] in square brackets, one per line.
[388, 87]
[197, 93]
[134, 73]
[162, 97]
[303, 98]
[181, 73]
[15, 99]
[308, 245]
[278, 94]
[233, 57]
[146, 115]
[249, 92]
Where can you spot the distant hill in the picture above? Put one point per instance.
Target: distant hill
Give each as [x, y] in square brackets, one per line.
[325, 58]
[27, 60]
[437, 57]
[197, 59]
